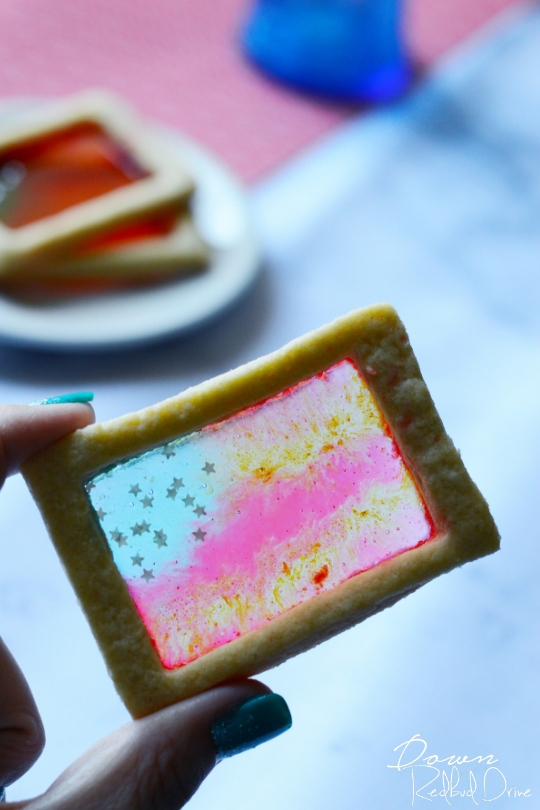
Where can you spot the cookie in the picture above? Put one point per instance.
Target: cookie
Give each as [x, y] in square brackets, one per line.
[220, 532]
[149, 250]
[73, 169]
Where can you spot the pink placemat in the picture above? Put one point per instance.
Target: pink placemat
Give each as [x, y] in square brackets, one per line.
[178, 61]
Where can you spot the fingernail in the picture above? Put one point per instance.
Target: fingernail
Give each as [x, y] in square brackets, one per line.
[256, 721]
[65, 399]
[2, 794]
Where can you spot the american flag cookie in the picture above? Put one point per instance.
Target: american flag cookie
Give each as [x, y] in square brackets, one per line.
[220, 532]
[74, 169]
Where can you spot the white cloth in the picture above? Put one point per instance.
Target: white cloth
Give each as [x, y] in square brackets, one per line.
[434, 206]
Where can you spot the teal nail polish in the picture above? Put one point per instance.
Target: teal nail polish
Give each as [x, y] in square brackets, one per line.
[257, 720]
[67, 399]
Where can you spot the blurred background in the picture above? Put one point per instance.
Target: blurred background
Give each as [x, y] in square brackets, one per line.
[430, 202]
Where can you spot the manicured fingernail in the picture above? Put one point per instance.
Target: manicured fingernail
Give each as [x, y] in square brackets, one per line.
[66, 399]
[257, 720]
[2, 794]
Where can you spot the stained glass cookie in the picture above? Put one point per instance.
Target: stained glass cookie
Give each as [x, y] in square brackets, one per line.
[224, 530]
[74, 169]
[137, 252]
[151, 250]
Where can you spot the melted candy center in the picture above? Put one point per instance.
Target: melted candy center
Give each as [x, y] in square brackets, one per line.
[223, 530]
[54, 172]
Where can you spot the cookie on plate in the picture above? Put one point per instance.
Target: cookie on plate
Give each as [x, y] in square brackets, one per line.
[151, 250]
[73, 169]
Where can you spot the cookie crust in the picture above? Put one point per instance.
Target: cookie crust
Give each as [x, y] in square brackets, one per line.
[181, 252]
[167, 184]
[376, 340]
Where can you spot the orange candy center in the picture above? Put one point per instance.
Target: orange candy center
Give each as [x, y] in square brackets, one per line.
[53, 173]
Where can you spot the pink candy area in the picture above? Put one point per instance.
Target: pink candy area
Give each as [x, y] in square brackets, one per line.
[280, 539]
[287, 508]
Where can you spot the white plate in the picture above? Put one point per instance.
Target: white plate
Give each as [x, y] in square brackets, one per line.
[131, 317]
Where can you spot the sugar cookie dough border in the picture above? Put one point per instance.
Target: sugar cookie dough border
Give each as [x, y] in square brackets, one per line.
[376, 340]
[180, 252]
[167, 185]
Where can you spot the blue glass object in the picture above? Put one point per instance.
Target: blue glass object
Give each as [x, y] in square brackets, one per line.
[350, 50]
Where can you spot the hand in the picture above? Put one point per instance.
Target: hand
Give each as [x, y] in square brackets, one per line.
[156, 763]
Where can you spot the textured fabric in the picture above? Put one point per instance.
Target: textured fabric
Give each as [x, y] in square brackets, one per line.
[178, 61]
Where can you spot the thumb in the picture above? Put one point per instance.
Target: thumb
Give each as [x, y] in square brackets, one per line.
[158, 762]
[26, 429]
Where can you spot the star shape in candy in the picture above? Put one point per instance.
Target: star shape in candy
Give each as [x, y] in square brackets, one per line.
[172, 493]
[139, 528]
[168, 452]
[199, 511]
[199, 534]
[160, 538]
[119, 538]
[100, 513]
[188, 500]
[135, 489]
[147, 575]
[208, 468]
[147, 501]
[177, 483]
[137, 559]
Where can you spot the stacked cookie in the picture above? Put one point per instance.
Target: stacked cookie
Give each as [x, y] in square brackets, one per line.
[90, 198]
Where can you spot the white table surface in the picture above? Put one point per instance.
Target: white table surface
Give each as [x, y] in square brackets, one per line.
[434, 206]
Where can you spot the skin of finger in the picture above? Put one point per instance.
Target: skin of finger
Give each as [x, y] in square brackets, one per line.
[21, 731]
[23, 431]
[26, 429]
[156, 763]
